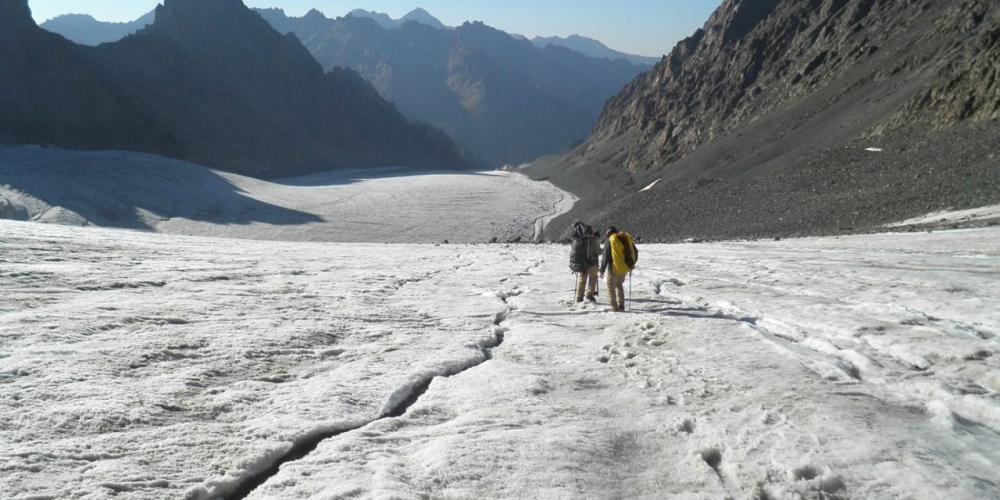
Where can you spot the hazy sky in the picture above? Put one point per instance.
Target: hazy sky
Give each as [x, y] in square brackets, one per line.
[646, 27]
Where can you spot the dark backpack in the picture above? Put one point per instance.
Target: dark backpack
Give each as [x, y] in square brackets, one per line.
[579, 254]
[631, 251]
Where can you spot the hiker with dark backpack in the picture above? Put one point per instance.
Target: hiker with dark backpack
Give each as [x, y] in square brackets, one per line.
[585, 250]
[620, 257]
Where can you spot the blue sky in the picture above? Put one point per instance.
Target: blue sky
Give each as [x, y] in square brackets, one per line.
[646, 27]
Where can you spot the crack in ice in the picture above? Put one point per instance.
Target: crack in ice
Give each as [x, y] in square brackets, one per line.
[303, 447]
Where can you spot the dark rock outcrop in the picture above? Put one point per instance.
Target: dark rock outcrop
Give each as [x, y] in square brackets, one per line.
[771, 97]
[208, 82]
[502, 98]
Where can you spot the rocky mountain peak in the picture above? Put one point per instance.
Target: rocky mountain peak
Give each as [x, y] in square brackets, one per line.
[314, 20]
[228, 34]
[380, 18]
[198, 8]
[79, 17]
[202, 18]
[422, 16]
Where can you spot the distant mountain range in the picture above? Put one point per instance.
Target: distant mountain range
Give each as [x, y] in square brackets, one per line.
[502, 98]
[207, 82]
[419, 15]
[593, 48]
[782, 117]
[86, 30]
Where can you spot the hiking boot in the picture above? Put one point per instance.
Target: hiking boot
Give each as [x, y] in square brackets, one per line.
[592, 300]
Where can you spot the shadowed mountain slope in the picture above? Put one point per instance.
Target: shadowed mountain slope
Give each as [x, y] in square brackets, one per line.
[500, 97]
[208, 82]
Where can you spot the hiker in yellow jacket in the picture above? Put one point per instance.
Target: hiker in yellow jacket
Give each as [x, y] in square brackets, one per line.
[620, 256]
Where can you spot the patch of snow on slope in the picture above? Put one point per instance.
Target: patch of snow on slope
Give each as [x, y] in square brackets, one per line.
[651, 186]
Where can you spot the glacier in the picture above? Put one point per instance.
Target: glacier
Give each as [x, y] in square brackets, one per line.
[144, 365]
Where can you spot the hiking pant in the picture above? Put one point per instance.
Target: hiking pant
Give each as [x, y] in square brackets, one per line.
[586, 280]
[616, 290]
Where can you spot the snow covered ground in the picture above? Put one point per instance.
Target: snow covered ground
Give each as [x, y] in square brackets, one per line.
[138, 365]
[138, 191]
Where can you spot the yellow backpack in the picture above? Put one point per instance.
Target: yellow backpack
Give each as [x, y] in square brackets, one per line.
[623, 258]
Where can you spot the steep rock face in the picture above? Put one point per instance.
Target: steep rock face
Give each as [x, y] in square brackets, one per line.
[966, 81]
[750, 126]
[51, 92]
[209, 82]
[500, 97]
[755, 56]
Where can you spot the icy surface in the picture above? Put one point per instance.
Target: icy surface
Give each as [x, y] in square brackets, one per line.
[136, 365]
[138, 191]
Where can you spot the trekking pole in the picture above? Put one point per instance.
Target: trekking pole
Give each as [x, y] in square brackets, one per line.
[630, 290]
